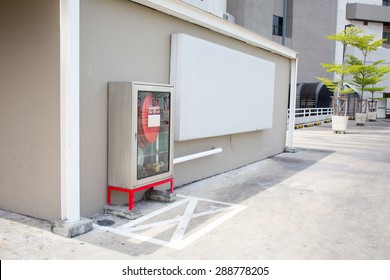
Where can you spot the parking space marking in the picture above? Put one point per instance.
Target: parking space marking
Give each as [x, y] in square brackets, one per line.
[180, 237]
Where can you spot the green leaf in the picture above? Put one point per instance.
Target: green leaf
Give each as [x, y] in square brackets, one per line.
[365, 76]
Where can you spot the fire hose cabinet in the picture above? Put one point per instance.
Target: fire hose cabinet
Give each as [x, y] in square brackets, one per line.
[140, 139]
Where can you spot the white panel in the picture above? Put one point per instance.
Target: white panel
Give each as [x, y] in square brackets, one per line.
[219, 91]
[70, 111]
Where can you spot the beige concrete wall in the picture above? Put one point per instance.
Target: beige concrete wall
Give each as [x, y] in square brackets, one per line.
[123, 41]
[30, 108]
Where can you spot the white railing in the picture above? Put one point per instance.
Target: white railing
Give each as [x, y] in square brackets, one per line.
[307, 115]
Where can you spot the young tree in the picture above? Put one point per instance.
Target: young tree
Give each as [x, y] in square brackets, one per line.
[337, 85]
[340, 70]
[366, 76]
[347, 37]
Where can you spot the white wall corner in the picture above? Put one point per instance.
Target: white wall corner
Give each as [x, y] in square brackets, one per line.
[70, 109]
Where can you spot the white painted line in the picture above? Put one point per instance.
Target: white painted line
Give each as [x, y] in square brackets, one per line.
[174, 220]
[142, 237]
[184, 221]
[178, 240]
[153, 225]
[206, 229]
[155, 213]
[207, 200]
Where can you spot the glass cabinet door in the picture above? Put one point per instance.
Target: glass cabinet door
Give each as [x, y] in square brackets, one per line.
[153, 129]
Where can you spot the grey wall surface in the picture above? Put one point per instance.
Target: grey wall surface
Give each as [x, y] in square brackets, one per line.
[308, 22]
[124, 41]
[312, 21]
[30, 108]
[367, 12]
[256, 15]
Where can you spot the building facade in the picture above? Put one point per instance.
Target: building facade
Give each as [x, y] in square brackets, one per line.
[303, 24]
[308, 22]
[61, 56]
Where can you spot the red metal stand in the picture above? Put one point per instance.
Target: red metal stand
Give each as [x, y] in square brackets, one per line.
[132, 191]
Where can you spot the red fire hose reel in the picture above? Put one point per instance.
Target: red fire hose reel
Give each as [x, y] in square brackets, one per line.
[147, 134]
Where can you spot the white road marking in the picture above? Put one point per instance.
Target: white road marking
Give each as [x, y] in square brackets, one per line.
[184, 221]
[178, 240]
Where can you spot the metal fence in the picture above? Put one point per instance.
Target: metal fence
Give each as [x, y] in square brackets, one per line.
[307, 115]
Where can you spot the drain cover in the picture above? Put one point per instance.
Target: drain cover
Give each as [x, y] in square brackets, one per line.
[105, 222]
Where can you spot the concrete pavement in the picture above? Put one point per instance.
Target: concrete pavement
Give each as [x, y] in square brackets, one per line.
[330, 200]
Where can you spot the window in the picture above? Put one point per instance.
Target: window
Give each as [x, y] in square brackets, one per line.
[386, 2]
[386, 32]
[277, 26]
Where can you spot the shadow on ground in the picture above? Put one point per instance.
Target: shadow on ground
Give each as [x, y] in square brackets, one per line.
[233, 187]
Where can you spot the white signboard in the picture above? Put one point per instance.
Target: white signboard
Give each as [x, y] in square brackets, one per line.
[218, 90]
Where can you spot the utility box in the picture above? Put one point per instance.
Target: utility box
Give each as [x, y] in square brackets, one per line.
[140, 140]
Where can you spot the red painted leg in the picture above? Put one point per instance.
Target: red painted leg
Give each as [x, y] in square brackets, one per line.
[172, 185]
[132, 191]
[131, 200]
[109, 196]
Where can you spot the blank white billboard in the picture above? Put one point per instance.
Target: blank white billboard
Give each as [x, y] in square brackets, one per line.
[218, 90]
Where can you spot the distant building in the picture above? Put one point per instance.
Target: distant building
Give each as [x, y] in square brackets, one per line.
[302, 25]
